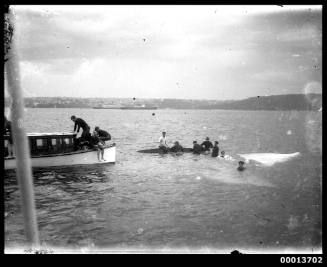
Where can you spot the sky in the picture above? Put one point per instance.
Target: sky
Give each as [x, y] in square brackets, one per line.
[186, 52]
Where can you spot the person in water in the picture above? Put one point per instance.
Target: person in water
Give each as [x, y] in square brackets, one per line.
[197, 149]
[176, 147]
[80, 123]
[7, 131]
[207, 145]
[98, 144]
[163, 143]
[241, 166]
[215, 150]
[103, 135]
[222, 155]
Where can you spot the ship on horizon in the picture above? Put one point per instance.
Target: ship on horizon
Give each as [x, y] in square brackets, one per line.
[134, 107]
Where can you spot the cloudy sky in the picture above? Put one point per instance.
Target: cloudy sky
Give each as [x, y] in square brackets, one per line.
[193, 52]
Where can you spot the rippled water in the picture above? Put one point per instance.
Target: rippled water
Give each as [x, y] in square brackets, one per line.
[157, 201]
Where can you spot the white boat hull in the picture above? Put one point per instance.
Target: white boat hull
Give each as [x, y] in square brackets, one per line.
[68, 159]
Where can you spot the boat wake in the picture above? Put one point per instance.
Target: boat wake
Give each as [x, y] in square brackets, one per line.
[269, 159]
[227, 175]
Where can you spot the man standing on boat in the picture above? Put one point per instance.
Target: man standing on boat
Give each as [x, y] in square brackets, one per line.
[80, 123]
[163, 143]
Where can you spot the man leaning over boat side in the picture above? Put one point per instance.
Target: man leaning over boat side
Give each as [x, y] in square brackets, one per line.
[80, 123]
[102, 134]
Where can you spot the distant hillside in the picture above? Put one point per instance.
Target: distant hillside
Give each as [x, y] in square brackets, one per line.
[274, 102]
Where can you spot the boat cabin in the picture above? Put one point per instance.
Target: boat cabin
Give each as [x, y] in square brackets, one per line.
[47, 143]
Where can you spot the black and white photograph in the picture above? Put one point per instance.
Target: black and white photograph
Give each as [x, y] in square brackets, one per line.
[163, 129]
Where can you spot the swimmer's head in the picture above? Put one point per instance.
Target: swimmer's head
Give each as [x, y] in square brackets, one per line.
[241, 166]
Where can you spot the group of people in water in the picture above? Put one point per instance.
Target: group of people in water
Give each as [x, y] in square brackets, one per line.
[97, 139]
[206, 147]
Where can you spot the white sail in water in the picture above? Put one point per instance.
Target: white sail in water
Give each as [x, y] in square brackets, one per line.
[269, 159]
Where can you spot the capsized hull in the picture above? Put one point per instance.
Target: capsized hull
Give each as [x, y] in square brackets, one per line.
[83, 157]
[157, 150]
[139, 108]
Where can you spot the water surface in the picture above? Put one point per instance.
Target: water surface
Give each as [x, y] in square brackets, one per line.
[160, 201]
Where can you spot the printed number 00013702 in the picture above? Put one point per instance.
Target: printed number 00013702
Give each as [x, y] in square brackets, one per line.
[301, 259]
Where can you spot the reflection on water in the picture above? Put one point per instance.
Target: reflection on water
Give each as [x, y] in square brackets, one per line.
[176, 201]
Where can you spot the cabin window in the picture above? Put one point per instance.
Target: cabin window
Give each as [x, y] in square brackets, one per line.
[6, 143]
[67, 141]
[54, 142]
[39, 142]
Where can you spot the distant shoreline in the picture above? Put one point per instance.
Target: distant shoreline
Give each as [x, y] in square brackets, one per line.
[275, 102]
[316, 110]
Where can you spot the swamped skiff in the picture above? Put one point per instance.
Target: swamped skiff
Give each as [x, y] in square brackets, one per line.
[57, 149]
[158, 151]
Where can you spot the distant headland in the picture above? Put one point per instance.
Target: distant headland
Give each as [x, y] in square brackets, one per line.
[273, 102]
